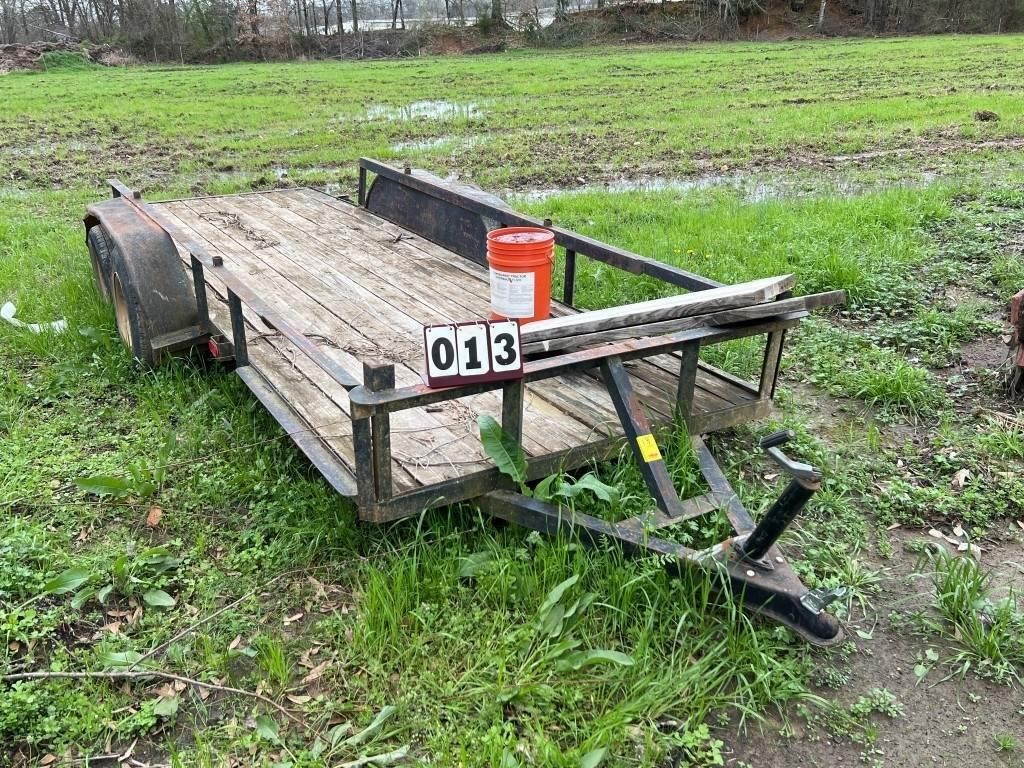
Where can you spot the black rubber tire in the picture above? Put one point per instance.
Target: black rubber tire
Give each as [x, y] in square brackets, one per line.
[134, 288]
[99, 256]
[132, 323]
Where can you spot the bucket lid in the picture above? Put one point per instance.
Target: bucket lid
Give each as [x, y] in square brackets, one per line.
[521, 236]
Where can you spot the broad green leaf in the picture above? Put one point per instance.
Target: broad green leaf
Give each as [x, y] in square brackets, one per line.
[69, 581]
[318, 748]
[373, 728]
[144, 488]
[82, 597]
[583, 659]
[266, 729]
[545, 488]
[339, 732]
[104, 593]
[105, 485]
[590, 482]
[118, 659]
[593, 758]
[508, 760]
[560, 649]
[505, 452]
[581, 605]
[554, 621]
[166, 706]
[478, 562]
[554, 596]
[120, 568]
[158, 598]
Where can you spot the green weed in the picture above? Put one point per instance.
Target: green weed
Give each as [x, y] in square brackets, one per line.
[987, 632]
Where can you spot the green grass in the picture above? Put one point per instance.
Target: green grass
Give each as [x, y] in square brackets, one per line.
[443, 617]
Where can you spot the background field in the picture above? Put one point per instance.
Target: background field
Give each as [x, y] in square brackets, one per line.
[871, 165]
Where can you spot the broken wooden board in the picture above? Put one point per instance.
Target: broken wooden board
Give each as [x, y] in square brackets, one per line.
[656, 310]
[724, 317]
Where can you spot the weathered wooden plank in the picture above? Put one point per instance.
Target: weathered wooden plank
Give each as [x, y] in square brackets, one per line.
[321, 404]
[723, 317]
[453, 444]
[419, 301]
[655, 310]
[583, 396]
[263, 267]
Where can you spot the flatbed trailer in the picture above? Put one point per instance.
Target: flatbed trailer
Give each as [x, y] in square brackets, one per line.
[319, 303]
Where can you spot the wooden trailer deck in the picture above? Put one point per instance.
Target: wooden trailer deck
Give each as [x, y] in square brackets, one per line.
[362, 289]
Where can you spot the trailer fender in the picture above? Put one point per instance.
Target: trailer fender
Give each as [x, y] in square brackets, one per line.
[152, 293]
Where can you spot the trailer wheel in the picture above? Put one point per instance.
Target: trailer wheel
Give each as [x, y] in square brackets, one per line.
[99, 257]
[150, 298]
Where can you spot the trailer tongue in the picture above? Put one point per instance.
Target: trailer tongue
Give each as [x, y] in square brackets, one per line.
[320, 304]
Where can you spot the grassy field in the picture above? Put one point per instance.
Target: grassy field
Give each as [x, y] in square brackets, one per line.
[855, 164]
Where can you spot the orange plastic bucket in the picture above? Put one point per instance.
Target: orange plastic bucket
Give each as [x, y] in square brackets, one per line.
[521, 259]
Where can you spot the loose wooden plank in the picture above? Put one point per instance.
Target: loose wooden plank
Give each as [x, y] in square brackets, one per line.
[723, 317]
[670, 308]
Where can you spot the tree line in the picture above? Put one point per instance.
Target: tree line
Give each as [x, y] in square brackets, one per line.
[170, 29]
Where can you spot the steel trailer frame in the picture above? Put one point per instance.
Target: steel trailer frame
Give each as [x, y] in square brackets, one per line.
[455, 217]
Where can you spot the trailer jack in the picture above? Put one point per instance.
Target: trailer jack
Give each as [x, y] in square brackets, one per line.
[756, 571]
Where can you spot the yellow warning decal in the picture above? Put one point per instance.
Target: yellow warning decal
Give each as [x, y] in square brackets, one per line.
[648, 448]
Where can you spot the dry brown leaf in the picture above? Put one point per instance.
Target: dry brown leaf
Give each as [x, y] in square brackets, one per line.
[934, 532]
[1021, 524]
[82, 536]
[119, 614]
[960, 478]
[165, 691]
[304, 658]
[299, 699]
[958, 531]
[293, 618]
[235, 643]
[153, 518]
[317, 672]
[113, 628]
[48, 758]
[204, 693]
[136, 615]
[14, 646]
[894, 526]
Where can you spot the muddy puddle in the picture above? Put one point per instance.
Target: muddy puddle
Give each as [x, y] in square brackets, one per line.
[751, 188]
[427, 109]
[44, 148]
[436, 143]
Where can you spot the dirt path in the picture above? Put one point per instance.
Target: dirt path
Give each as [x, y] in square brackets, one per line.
[945, 722]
